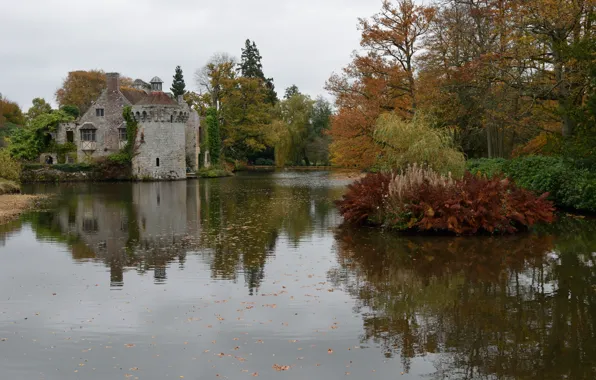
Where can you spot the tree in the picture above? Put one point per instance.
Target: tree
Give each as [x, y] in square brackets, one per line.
[40, 106]
[250, 61]
[245, 116]
[81, 88]
[36, 137]
[211, 76]
[71, 110]
[178, 84]
[317, 148]
[251, 67]
[10, 112]
[394, 34]
[213, 136]
[295, 113]
[291, 91]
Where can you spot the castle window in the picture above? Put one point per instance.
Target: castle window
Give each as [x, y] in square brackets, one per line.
[70, 136]
[99, 112]
[87, 134]
[157, 162]
[122, 134]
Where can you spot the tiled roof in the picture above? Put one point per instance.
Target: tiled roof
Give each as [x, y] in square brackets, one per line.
[157, 97]
[132, 94]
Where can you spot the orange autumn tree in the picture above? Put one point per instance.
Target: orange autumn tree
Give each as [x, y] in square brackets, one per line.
[380, 79]
[81, 88]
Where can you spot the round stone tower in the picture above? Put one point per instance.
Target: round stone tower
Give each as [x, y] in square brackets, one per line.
[161, 140]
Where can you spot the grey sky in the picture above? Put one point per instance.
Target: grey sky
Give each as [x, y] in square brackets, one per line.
[302, 41]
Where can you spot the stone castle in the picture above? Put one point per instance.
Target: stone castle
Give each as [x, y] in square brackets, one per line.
[167, 143]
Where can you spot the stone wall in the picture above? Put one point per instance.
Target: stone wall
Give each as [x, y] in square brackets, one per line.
[107, 137]
[163, 141]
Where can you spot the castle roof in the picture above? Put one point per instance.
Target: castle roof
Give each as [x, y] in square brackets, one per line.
[156, 80]
[157, 97]
[132, 94]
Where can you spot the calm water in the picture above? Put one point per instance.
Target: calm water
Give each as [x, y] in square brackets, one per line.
[224, 279]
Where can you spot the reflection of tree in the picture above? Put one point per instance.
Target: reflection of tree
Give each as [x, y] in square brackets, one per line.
[234, 224]
[506, 307]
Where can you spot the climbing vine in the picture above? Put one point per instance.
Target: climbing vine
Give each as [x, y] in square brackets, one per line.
[131, 148]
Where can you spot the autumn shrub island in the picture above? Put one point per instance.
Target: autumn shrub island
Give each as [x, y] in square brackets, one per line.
[419, 199]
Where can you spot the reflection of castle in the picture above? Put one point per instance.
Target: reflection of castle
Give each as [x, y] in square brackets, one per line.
[138, 227]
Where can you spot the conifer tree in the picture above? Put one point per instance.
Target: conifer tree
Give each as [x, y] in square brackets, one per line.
[251, 67]
[291, 91]
[178, 85]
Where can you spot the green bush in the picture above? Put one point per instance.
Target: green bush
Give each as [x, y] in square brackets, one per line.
[9, 169]
[264, 162]
[214, 172]
[569, 183]
[486, 166]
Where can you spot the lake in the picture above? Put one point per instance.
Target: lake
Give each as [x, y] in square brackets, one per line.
[252, 276]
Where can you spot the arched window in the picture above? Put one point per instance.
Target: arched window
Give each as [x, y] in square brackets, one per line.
[171, 118]
[144, 115]
[157, 162]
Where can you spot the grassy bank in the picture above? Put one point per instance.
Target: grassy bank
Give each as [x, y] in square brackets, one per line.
[570, 184]
[214, 173]
[9, 187]
[13, 205]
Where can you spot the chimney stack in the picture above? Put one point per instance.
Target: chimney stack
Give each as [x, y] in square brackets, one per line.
[113, 80]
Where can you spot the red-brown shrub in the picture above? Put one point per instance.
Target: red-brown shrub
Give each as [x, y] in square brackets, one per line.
[363, 202]
[418, 199]
[477, 204]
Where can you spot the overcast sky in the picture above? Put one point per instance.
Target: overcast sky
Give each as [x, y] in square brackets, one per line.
[302, 41]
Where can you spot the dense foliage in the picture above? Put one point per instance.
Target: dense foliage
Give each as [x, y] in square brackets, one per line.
[213, 136]
[10, 169]
[364, 202]
[492, 74]
[81, 88]
[568, 182]
[419, 199]
[36, 137]
[10, 113]
[253, 123]
[130, 150]
[408, 142]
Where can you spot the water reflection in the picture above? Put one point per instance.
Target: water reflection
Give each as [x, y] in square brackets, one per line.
[149, 226]
[520, 307]
[515, 307]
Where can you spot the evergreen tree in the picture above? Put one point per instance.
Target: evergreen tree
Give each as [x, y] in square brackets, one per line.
[178, 84]
[250, 64]
[251, 67]
[291, 91]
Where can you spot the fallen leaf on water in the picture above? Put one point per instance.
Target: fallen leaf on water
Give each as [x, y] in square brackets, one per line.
[255, 374]
[329, 351]
[278, 367]
[129, 345]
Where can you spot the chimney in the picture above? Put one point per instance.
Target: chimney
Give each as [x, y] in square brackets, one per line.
[113, 80]
[180, 99]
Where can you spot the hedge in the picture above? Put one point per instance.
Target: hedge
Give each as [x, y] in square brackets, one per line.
[569, 183]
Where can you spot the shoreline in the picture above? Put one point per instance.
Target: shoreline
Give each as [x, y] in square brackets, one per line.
[14, 205]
